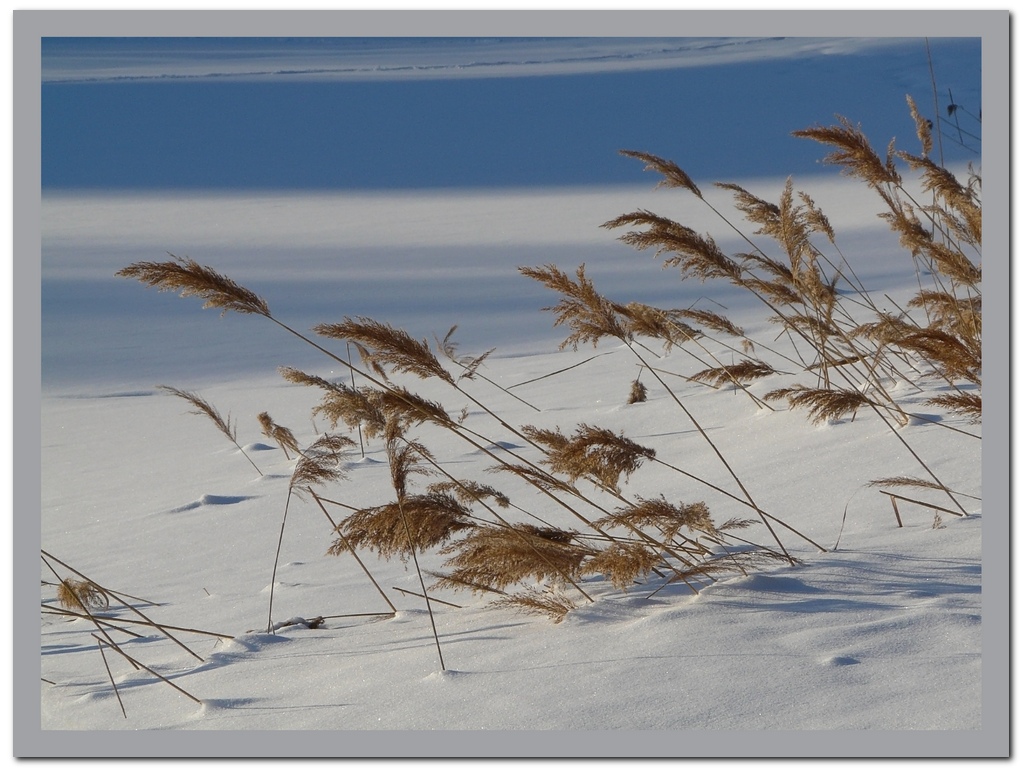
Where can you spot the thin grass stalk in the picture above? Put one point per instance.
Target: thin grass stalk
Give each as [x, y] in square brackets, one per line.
[277, 557]
[113, 621]
[559, 371]
[181, 690]
[99, 644]
[718, 453]
[427, 597]
[423, 586]
[935, 96]
[472, 369]
[104, 620]
[352, 376]
[337, 530]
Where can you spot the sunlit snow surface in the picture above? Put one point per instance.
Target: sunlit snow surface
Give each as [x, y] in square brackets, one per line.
[883, 631]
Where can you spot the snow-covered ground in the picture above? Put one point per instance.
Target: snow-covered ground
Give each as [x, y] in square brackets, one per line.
[882, 631]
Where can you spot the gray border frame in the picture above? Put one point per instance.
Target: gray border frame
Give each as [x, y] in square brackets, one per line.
[993, 740]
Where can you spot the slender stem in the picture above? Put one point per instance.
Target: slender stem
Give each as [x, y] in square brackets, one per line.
[351, 549]
[352, 375]
[247, 457]
[428, 597]
[419, 573]
[152, 672]
[113, 621]
[277, 557]
[718, 453]
[99, 644]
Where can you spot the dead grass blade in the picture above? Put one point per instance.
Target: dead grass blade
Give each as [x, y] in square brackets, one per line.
[99, 644]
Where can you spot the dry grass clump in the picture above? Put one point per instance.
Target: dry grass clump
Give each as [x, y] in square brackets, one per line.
[637, 392]
[81, 594]
[843, 348]
[498, 557]
[432, 519]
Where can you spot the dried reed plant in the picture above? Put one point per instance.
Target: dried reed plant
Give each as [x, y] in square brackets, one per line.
[283, 436]
[203, 408]
[432, 518]
[498, 557]
[849, 354]
[591, 317]
[838, 337]
[592, 452]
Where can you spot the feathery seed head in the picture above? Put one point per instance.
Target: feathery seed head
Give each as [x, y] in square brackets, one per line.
[193, 279]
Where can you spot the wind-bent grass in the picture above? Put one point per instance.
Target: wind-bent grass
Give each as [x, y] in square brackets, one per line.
[203, 408]
[846, 350]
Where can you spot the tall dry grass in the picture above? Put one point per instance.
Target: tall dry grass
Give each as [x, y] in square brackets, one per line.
[578, 526]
